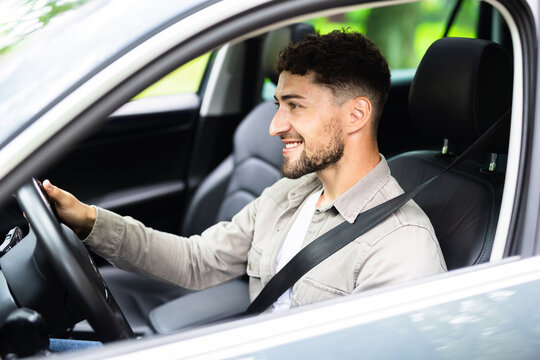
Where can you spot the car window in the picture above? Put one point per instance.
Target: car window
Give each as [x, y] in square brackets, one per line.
[185, 79]
[415, 26]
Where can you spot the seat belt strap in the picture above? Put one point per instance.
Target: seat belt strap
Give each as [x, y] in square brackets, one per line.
[341, 235]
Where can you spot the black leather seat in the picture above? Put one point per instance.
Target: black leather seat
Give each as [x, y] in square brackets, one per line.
[462, 86]
[254, 165]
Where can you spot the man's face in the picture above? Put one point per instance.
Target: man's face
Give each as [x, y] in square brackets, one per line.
[308, 121]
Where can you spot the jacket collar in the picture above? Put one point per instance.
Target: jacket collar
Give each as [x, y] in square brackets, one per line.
[308, 184]
[353, 201]
[357, 199]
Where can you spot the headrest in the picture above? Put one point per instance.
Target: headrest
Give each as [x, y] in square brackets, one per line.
[251, 139]
[461, 87]
[277, 40]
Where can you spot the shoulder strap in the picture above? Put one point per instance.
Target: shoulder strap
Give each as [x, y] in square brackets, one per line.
[335, 239]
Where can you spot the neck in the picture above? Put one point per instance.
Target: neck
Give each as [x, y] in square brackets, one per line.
[340, 177]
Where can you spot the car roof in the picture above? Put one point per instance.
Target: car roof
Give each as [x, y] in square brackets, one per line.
[42, 69]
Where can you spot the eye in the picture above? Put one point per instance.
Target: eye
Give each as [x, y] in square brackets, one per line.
[293, 105]
[277, 104]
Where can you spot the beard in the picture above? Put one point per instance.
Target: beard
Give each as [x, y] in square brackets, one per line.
[317, 159]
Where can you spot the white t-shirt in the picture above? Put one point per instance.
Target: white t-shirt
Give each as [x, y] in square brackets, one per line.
[293, 244]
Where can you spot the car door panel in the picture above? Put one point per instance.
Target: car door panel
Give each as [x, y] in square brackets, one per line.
[136, 163]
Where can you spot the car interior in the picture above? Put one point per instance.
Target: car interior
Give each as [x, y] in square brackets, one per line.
[184, 167]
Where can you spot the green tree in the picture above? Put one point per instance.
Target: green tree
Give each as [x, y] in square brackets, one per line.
[393, 29]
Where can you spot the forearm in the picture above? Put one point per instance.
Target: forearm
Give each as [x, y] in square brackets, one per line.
[196, 262]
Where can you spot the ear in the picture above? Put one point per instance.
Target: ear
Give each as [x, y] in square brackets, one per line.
[360, 111]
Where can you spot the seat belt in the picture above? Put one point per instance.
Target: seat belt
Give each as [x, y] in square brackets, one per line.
[341, 235]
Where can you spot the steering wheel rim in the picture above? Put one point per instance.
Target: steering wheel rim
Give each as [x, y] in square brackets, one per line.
[98, 306]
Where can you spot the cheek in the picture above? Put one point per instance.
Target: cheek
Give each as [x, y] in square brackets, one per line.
[316, 128]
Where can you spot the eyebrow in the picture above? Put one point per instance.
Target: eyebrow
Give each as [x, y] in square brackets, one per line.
[289, 96]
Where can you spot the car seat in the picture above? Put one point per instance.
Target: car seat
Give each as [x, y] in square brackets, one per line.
[462, 86]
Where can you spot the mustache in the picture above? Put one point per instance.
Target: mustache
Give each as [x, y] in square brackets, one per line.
[291, 136]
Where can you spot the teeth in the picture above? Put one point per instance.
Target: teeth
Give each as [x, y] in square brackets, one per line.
[291, 145]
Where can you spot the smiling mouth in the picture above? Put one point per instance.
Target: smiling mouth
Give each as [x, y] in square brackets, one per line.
[291, 145]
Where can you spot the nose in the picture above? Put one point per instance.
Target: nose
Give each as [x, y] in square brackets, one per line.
[280, 123]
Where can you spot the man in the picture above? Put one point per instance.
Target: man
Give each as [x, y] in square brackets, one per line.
[329, 97]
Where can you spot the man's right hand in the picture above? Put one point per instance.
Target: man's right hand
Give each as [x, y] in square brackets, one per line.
[74, 213]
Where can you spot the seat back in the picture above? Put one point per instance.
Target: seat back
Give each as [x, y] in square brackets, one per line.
[462, 86]
[256, 161]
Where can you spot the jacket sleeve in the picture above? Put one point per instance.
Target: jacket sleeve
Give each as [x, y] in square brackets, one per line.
[197, 262]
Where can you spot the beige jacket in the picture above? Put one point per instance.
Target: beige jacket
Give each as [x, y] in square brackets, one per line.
[403, 247]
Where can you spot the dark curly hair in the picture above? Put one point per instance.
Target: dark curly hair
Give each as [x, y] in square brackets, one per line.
[348, 63]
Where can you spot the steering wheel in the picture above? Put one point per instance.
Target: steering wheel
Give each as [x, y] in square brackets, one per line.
[73, 265]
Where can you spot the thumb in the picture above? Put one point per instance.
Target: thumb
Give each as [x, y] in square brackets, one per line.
[57, 196]
[51, 190]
